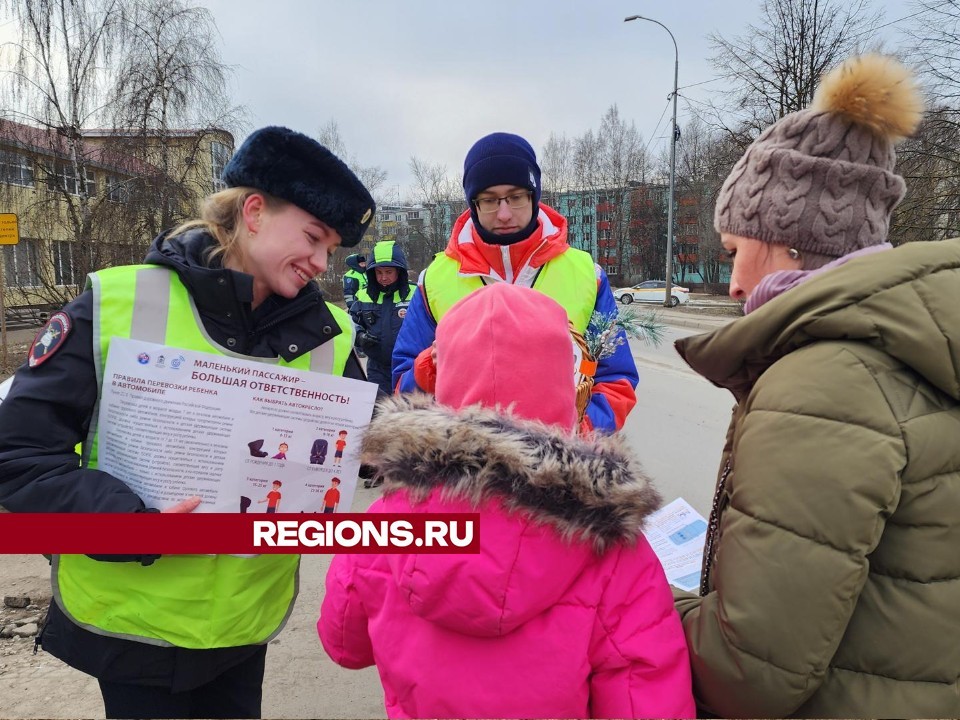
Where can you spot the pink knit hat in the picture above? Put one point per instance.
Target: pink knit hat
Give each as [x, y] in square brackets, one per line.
[506, 346]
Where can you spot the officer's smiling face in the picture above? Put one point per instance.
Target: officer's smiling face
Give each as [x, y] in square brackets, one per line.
[284, 249]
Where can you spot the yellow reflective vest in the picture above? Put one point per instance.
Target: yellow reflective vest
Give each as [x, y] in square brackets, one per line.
[188, 601]
[570, 279]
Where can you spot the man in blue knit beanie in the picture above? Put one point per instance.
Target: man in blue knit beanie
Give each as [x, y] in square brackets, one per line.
[495, 160]
[508, 235]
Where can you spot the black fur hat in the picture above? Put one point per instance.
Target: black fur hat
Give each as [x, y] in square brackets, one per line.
[298, 169]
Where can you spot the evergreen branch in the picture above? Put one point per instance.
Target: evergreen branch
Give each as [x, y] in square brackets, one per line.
[608, 331]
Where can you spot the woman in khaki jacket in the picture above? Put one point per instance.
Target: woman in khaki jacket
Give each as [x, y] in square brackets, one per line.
[831, 583]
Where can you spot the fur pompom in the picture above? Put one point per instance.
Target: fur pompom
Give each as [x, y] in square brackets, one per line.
[875, 91]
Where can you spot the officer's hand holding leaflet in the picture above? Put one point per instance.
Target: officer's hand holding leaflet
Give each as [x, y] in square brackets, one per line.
[184, 506]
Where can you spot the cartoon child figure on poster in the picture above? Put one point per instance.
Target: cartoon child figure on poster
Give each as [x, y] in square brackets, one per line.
[331, 499]
[281, 452]
[273, 497]
[340, 445]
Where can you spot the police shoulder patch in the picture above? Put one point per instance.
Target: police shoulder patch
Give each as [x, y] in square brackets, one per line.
[49, 339]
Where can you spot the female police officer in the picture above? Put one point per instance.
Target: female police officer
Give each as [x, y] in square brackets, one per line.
[183, 636]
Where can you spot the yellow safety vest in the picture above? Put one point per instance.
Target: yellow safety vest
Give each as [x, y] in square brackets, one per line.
[570, 279]
[359, 276]
[189, 601]
[363, 296]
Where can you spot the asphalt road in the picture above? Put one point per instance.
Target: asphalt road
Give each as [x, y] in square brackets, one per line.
[679, 424]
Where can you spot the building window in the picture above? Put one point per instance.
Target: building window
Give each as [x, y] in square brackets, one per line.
[64, 176]
[21, 264]
[413, 215]
[123, 254]
[118, 189]
[16, 169]
[62, 253]
[219, 157]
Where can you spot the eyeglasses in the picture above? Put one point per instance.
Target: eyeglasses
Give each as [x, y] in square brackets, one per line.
[515, 201]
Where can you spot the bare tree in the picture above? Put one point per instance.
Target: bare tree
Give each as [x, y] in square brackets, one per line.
[935, 48]
[648, 231]
[170, 95]
[56, 76]
[704, 159]
[930, 161]
[58, 79]
[101, 87]
[556, 166]
[372, 176]
[610, 163]
[442, 197]
[930, 164]
[775, 65]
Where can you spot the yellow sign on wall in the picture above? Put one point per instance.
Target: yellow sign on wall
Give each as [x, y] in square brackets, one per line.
[9, 230]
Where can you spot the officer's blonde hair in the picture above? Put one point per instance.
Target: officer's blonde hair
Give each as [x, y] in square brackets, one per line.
[221, 215]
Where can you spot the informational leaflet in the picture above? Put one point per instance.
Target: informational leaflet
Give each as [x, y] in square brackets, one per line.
[677, 532]
[245, 436]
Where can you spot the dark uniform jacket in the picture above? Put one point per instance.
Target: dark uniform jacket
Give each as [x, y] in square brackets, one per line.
[380, 315]
[833, 586]
[48, 411]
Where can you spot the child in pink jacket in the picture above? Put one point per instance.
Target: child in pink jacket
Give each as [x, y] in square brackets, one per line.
[565, 612]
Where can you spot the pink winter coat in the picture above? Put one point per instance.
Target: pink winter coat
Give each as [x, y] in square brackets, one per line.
[539, 624]
[565, 611]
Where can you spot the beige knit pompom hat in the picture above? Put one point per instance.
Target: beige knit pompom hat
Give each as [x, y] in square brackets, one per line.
[821, 179]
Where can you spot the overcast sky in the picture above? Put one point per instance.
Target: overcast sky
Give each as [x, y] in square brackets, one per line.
[429, 77]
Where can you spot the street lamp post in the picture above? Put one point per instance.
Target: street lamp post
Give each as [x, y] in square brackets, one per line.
[673, 158]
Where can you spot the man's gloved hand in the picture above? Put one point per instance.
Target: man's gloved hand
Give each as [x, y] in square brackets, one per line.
[366, 341]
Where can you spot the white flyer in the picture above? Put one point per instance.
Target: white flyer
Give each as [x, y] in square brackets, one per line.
[677, 532]
[245, 436]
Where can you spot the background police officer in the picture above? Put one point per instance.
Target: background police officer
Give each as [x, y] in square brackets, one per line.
[380, 309]
[354, 278]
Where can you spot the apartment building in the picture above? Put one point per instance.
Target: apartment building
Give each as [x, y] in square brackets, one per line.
[94, 198]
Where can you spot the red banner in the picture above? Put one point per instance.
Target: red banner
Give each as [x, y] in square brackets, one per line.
[237, 534]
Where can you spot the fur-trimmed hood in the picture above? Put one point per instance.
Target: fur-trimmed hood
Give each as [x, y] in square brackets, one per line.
[589, 490]
[549, 503]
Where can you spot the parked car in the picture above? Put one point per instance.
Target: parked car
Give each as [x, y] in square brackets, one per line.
[650, 284]
[650, 292]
